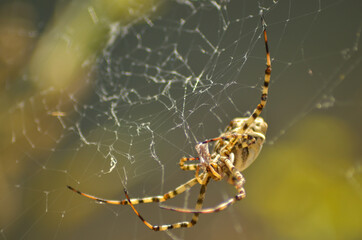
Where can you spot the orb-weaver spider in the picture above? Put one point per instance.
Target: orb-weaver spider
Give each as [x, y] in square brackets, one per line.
[234, 150]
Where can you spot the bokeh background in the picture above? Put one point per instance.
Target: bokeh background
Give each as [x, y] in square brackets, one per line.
[82, 105]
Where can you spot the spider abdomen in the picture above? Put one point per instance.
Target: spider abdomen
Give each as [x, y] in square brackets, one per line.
[249, 142]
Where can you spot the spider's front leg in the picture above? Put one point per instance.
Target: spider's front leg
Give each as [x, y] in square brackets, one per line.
[161, 198]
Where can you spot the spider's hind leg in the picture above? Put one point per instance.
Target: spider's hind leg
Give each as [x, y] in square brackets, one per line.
[185, 224]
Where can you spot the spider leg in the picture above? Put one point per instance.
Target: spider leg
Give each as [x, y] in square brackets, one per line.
[264, 94]
[218, 208]
[215, 174]
[227, 148]
[220, 138]
[197, 176]
[188, 167]
[238, 181]
[184, 224]
[161, 198]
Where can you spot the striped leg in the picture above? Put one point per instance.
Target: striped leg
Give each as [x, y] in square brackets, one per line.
[237, 178]
[184, 224]
[171, 194]
[188, 167]
[238, 182]
[264, 94]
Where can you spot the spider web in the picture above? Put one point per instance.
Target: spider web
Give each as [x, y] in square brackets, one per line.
[107, 95]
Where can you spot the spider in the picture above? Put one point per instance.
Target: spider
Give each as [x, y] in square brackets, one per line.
[234, 151]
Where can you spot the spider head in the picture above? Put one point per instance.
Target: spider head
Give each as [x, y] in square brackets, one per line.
[247, 149]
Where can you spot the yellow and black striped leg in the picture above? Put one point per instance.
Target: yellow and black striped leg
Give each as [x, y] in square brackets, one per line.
[184, 224]
[217, 208]
[237, 180]
[171, 194]
[264, 95]
[188, 167]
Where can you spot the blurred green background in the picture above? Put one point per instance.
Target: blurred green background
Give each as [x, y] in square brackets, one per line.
[59, 58]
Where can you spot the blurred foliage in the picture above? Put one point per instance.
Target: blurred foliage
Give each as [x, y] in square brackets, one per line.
[38, 61]
[76, 34]
[305, 191]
